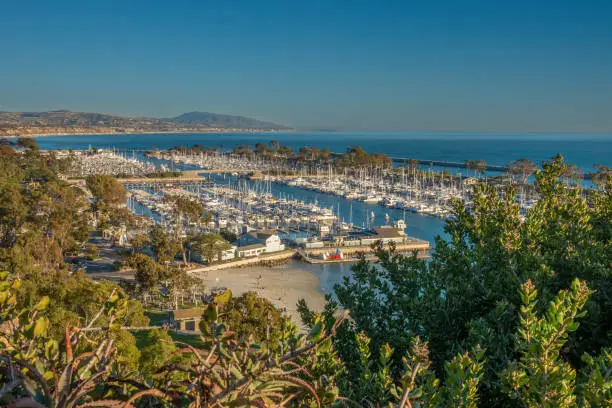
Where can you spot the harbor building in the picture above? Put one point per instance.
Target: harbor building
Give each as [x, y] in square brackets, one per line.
[270, 241]
[248, 251]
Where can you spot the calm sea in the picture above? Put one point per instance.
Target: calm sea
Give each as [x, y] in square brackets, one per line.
[583, 150]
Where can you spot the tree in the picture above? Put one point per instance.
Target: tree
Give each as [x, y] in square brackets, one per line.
[13, 211]
[185, 211]
[602, 177]
[285, 151]
[228, 236]
[27, 143]
[157, 352]
[262, 150]
[324, 155]
[523, 167]
[147, 270]
[38, 370]
[243, 150]
[209, 246]
[251, 315]
[274, 145]
[107, 190]
[468, 294]
[479, 167]
[469, 165]
[139, 242]
[413, 163]
[164, 247]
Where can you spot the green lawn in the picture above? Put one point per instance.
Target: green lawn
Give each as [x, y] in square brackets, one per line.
[191, 339]
[156, 317]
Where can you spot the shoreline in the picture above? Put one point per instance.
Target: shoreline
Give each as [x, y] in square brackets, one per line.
[157, 132]
[282, 285]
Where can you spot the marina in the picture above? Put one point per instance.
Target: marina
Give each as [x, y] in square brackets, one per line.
[322, 216]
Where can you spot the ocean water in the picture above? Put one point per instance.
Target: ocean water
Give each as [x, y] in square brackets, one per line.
[583, 150]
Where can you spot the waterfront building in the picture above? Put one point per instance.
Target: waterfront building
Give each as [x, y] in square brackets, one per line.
[269, 239]
[248, 251]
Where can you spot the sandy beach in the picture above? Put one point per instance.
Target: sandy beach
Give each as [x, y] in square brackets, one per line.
[283, 286]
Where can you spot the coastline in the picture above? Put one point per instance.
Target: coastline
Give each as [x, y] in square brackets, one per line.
[156, 132]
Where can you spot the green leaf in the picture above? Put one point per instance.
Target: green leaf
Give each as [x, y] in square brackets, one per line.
[316, 331]
[224, 297]
[42, 303]
[210, 315]
[41, 326]
[204, 327]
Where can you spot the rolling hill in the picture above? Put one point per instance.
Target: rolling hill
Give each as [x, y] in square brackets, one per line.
[68, 122]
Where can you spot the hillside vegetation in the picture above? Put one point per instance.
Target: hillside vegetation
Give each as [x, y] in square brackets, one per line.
[68, 122]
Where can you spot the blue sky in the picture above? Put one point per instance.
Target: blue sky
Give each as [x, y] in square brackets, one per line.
[359, 65]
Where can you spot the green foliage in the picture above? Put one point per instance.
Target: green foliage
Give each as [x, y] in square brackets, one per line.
[541, 378]
[41, 217]
[419, 387]
[523, 168]
[253, 318]
[594, 386]
[128, 354]
[107, 190]
[38, 369]
[228, 236]
[237, 373]
[209, 246]
[486, 340]
[139, 242]
[157, 352]
[468, 293]
[148, 272]
[163, 245]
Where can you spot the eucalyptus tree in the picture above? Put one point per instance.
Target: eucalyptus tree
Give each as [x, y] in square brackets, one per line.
[186, 211]
[522, 167]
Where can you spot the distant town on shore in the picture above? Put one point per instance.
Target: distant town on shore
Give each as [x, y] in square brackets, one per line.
[65, 122]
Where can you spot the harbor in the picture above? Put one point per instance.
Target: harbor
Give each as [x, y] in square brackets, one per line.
[290, 211]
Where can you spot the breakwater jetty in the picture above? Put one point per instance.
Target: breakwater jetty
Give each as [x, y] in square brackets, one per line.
[406, 160]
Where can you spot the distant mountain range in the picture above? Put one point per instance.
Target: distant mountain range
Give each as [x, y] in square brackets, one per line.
[223, 121]
[68, 122]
